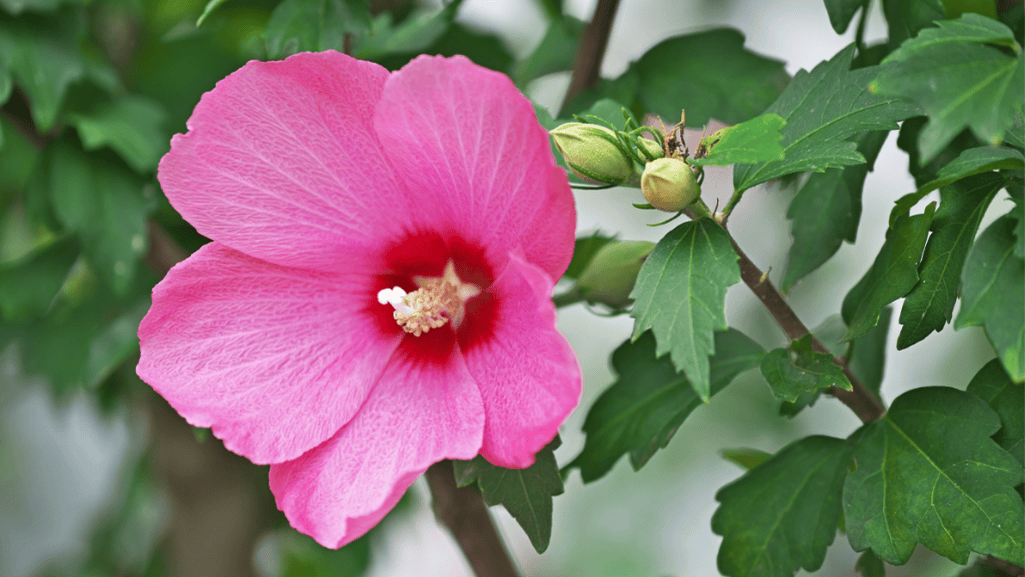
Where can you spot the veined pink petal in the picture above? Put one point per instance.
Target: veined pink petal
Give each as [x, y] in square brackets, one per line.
[468, 146]
[281, 162]
[418, 414]
[274, 359]
[527, 373]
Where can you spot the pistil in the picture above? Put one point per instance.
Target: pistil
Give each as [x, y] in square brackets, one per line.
[438, 301]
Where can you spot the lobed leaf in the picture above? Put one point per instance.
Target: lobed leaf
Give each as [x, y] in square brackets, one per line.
[641, 411]
[992, 384]
[827, 210]
[865, 355]
[969, 163]
[680, 295]
[756, 140]
[314, 25]
[131, 125]
[709, 74]
[815, 136]
[929, 472]
[797, 369]
[525, 493]
[892, 275]
[958, 80]
[991, 294]
[930, 304]
[782, 515]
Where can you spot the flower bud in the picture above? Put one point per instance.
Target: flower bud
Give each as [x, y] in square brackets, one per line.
[653, 148]
[593, 153]
[610, 276]
[669, 184]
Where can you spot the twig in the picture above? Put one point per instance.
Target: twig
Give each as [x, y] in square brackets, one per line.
[587, 65]
[865, 405]
[463, 511]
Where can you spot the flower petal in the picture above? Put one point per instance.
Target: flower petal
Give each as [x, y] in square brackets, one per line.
[527, 373]
[274, 359]
[281, 162]
[418, 414]
[469, 147]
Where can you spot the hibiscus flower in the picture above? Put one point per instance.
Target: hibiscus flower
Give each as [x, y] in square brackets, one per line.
[377, 295]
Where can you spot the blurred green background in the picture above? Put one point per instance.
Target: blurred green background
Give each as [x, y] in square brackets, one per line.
[99, 477]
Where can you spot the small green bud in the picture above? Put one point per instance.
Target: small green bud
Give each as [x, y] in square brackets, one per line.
[610, 276]
[593, 153]
[669, 184]
[653, 148]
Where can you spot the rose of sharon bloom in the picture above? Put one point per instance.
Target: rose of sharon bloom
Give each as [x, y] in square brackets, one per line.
[377, 297]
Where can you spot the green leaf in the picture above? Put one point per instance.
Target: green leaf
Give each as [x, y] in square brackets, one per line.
[482, 48]
[782, 515]
[841, 12]
[892, 275]
[827, 210]
[641, 411]
[115, 342]
[208, 10]
[866, 356]
[680, 295]
[105, 205]
[869, 565]
[929, 472]
[756, 140]
[991, 384]
[56, 346]
[815, 138]
[44, 64]
[709, 74]
[413, 35]
[993, 282]
[314, 25]
[930, 304]
[905, 18]
[798, 369]
[958, 80]
[131, 125]
[746, 458]
[525, 493]
[29, 285]
[555, 53]
[969, 163]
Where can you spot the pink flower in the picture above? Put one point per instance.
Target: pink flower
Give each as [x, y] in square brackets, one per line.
[331, 187]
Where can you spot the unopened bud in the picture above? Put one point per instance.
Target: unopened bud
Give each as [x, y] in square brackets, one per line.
[653, 148]
[669, 184]
[593, 153]
[610, 276]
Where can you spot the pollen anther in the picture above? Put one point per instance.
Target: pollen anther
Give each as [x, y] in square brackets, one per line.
[439, 300]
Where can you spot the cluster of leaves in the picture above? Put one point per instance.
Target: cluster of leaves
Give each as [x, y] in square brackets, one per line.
[942, 467]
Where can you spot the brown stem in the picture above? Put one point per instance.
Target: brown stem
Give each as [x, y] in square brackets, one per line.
[463, 511]
[587, 65]
[860, 399]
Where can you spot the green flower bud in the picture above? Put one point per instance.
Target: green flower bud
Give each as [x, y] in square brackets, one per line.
[653, 148]
[610, 276]
[669, 184]
[593, 153]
